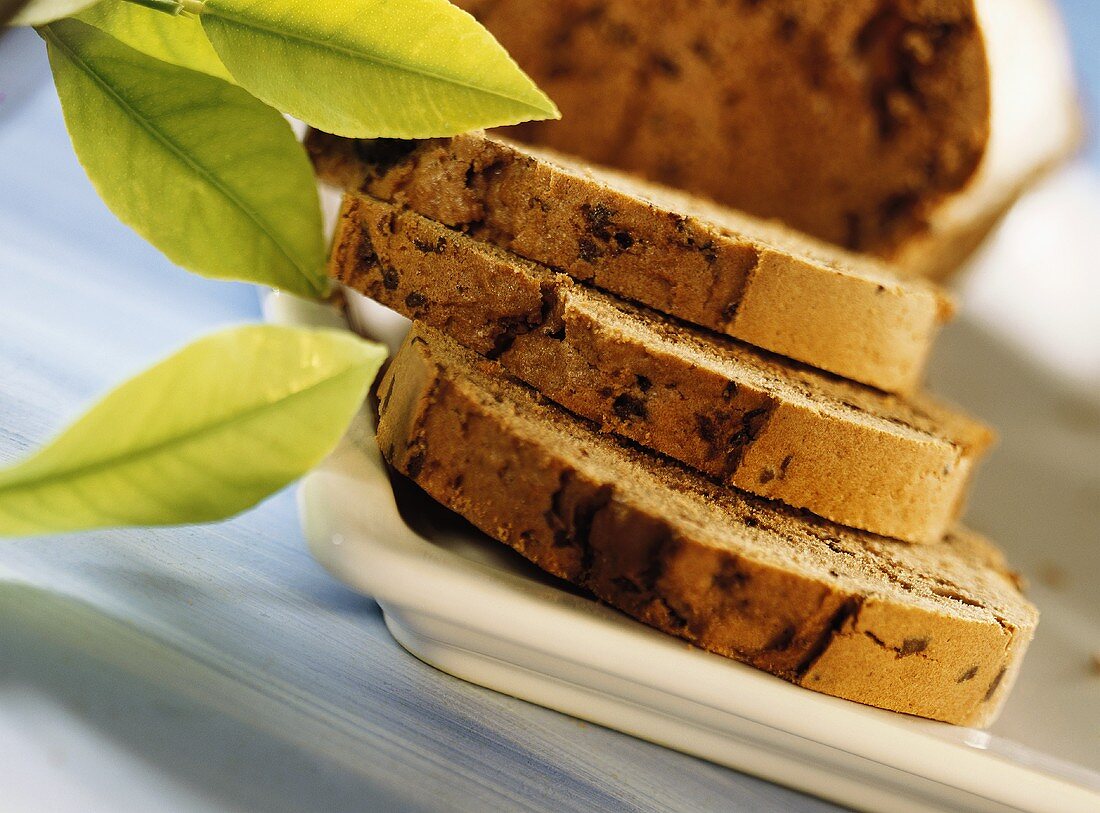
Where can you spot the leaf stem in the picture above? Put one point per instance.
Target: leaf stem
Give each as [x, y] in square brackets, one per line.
[173, 7]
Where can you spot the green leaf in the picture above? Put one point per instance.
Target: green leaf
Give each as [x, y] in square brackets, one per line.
[201, 169]
[203, 435]
[369, 68]
[40, 12]
[176, 39]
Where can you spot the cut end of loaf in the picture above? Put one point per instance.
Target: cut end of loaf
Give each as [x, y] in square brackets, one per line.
[849, 120]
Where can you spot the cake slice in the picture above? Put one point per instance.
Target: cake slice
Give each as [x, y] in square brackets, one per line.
[933, 630]
[781, 430]
[698, 262]
[898, 127]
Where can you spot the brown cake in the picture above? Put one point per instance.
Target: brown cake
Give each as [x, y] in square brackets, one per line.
[852, 454]
[933, 630]
[702, 263]
[848, 119]
[900, 127]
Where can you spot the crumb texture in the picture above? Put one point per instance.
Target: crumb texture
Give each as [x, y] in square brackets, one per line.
[898, 467]
[932, 630]
[705, 264]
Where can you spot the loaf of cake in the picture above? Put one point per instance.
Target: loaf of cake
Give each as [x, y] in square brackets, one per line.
[897, 467]
[626, 363]
[903, 128]
[702, 263]
[932, 630]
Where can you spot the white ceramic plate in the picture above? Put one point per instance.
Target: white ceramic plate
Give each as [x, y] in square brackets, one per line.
[471, 607]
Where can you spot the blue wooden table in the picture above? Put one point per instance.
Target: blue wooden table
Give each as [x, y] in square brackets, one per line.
[218, 667]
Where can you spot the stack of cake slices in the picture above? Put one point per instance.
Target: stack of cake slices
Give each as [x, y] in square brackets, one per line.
[709, 422]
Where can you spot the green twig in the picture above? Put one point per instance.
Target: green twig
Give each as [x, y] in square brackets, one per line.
[173, 7]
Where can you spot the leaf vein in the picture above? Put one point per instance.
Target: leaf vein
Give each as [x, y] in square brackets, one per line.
[367, 56]
[154, 449]
[181, 154]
